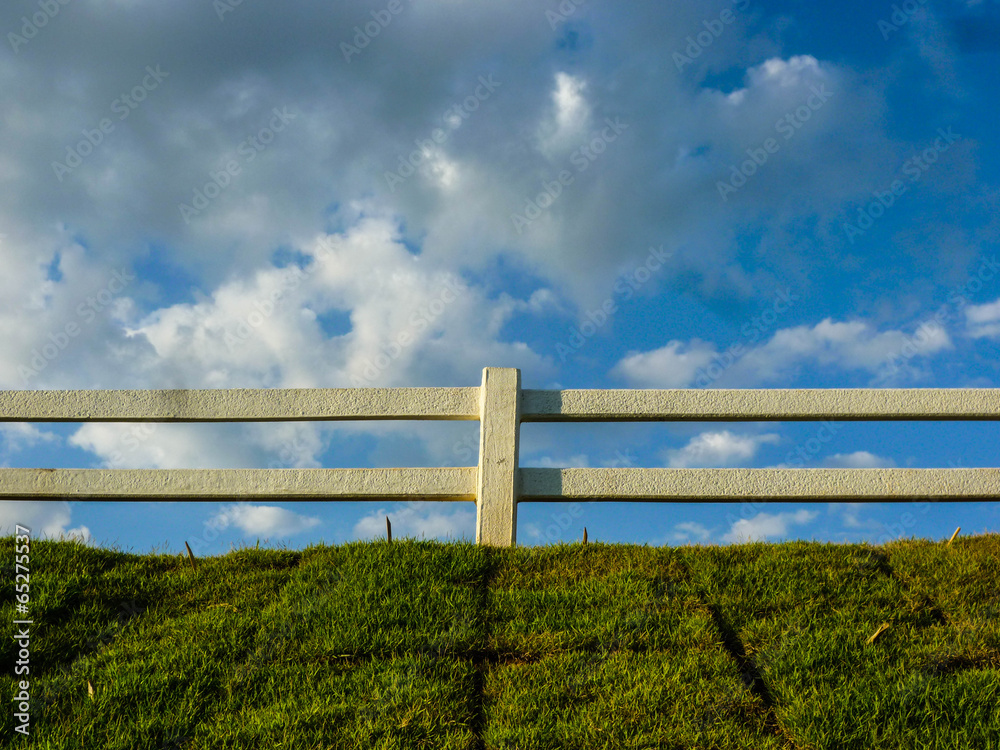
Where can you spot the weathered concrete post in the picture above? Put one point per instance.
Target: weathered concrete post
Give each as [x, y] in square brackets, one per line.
[498, 484]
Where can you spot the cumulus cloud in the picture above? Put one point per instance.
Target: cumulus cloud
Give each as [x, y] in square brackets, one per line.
[569, 121]
[847, 345]
[46, 519]
[262, 520]
[19, 435]
[854, 345]
[857, 460]
[983, 321]
[61, 312]
[849, 514]
[401, 321]
[689, 531]
[165, 446]
[354, 120]
[766, 526]
[672, 366]
[717, 449]
[405, 321]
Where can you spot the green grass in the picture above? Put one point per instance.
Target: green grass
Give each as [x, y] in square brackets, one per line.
[431, 645]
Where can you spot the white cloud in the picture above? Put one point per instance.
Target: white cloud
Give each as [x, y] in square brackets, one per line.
[857, 460]
[766, 526]
[718, 449]
[419, 521]
[849, 513]
[983, 321]
[263, 520]
[409, 321]
[45, 518]
[672, 366]
[165, 446]
[532, 530]
[688, 531]
[567, 126]
[785, 73]
[854, 345]
[352, 124]
[849, 345]
[60, 311]
[19, 435]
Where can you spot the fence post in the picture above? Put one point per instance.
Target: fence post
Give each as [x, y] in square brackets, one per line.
[498, 487]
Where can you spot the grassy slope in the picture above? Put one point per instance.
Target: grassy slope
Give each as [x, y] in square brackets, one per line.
[425, 644]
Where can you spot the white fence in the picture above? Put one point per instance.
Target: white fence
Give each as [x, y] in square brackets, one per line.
[497, 485]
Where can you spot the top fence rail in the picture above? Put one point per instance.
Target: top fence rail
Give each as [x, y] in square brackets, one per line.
[240, 405]
[322, 404]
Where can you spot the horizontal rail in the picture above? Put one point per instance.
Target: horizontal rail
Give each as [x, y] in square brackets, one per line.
[758, 405]
[236, 484]
[307, 404]
[721, 485]
[240, 405]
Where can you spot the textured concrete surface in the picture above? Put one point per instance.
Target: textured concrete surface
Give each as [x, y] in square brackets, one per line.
[242, 405]
[800, 485]
[497, 489]
[238, 484]
[760, 405]
[239, 405]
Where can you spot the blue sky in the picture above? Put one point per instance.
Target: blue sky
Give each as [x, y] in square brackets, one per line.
[399, 193]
